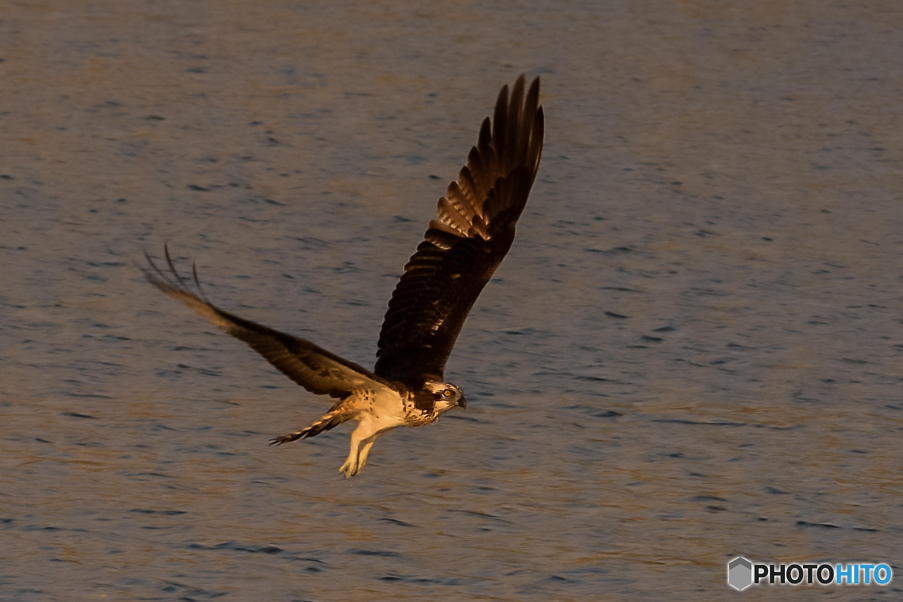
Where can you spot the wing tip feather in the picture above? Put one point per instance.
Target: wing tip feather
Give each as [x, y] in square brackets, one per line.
[486, 199]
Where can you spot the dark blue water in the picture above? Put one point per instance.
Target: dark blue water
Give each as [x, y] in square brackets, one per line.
[693, 350]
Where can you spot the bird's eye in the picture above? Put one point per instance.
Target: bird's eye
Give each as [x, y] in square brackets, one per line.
[447, 393]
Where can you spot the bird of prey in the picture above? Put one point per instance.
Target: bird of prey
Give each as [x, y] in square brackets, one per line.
[462, 247]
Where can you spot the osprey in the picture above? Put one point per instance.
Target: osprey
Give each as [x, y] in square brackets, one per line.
[461, 249]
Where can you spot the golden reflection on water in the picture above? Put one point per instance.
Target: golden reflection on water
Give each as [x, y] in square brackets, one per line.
[692, 352]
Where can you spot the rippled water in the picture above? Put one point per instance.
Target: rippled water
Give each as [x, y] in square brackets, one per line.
[693, 351]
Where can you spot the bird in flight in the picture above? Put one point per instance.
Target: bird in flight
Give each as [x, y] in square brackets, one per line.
[461, 249]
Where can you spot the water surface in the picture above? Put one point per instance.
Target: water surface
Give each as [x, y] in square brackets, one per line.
[693, 351]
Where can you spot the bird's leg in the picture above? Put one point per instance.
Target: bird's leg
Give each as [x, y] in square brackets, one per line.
[351, 466]
[362, 439]
[365, 451]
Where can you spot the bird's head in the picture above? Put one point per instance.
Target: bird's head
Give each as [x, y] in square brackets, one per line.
[446, 396]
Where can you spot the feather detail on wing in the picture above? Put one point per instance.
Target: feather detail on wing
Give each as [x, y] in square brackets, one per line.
[465, 243]
[312, 367]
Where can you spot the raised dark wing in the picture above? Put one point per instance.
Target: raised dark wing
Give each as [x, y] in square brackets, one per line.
[312, 367]
[465, 243]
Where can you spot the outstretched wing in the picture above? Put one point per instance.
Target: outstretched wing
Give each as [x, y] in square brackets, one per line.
[312, 367]
[465, 243]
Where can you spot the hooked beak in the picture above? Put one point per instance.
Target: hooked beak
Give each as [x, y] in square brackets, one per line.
[462, 403]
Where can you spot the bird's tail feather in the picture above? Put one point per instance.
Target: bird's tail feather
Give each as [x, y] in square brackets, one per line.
[329, 420]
